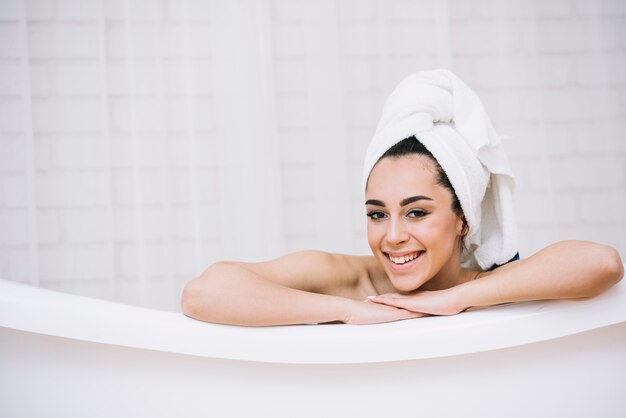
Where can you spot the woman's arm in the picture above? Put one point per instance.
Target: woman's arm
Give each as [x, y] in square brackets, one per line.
[565, 270]
[300, 288]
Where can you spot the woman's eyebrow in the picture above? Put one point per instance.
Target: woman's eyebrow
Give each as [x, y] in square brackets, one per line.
[404, 202]
[412, 199]
[375, 202]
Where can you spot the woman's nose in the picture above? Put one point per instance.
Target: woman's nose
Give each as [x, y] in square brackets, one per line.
[396, 232]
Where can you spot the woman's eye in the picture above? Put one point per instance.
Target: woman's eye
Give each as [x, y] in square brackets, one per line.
[375, 215]
[416, 213]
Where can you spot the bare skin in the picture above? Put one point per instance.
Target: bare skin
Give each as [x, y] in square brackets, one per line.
[414, 271]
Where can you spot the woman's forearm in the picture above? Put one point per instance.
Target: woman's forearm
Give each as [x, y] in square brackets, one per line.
[230, 294]
[565, 270]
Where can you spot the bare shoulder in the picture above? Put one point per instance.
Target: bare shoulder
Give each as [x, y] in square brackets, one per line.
[367, 276]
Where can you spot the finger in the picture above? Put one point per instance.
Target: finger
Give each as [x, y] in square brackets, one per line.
[381, 298]
[390, 295]
[388, 298]
[402, 303]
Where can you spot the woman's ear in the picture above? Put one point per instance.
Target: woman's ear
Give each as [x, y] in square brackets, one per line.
[461, 226]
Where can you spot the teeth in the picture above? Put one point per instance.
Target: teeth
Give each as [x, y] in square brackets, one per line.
[403, 259]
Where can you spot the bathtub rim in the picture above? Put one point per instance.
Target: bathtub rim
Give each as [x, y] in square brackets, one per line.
[37, 310]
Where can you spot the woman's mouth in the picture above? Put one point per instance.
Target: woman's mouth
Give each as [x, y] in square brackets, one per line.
[405, 260]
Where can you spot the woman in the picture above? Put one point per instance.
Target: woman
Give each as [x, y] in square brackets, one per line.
[438, 197]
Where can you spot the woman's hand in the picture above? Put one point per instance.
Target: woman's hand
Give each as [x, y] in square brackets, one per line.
[361, 313]
[438, 302]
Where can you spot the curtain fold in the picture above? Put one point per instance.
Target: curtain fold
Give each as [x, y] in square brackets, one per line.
[29, 147]
[250, 215]
[327, 131]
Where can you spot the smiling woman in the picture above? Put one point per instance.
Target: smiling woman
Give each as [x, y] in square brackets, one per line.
[417, 238]
[425, 231]
[441, 228]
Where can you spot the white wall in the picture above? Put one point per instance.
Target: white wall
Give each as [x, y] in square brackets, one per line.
[140, 141]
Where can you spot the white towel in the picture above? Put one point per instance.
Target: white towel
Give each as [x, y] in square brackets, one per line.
[450, 121]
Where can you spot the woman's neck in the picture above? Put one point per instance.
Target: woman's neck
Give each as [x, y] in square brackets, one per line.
[452, 274]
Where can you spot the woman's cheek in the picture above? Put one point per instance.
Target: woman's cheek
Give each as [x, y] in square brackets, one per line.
[374, 234]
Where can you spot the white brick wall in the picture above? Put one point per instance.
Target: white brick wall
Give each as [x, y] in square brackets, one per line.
[115, 139]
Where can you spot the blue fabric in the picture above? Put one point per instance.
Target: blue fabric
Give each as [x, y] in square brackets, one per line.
[515, 258]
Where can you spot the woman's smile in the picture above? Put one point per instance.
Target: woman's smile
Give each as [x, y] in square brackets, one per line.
[403, 261]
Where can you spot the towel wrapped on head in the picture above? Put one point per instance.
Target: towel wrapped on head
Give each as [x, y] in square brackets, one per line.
[448, 118]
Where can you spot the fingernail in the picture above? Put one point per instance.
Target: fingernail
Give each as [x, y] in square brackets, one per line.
[371, 297]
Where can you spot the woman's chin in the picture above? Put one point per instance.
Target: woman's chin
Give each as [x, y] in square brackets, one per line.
[405, 287]
[407, 282]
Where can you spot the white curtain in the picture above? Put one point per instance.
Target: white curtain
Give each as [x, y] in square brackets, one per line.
[140, 141]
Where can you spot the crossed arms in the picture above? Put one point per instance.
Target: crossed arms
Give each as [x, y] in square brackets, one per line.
[318, 287]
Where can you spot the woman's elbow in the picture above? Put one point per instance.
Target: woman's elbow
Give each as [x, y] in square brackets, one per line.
[200, 295]
[610, 268]
[191, 297]
[194, 295]
[614, 267]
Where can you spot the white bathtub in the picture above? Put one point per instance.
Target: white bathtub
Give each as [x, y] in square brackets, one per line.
[70, 356]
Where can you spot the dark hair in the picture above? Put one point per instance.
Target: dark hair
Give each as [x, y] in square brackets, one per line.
[412, 146]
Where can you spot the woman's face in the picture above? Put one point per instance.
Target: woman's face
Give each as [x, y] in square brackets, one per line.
[411, 228]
